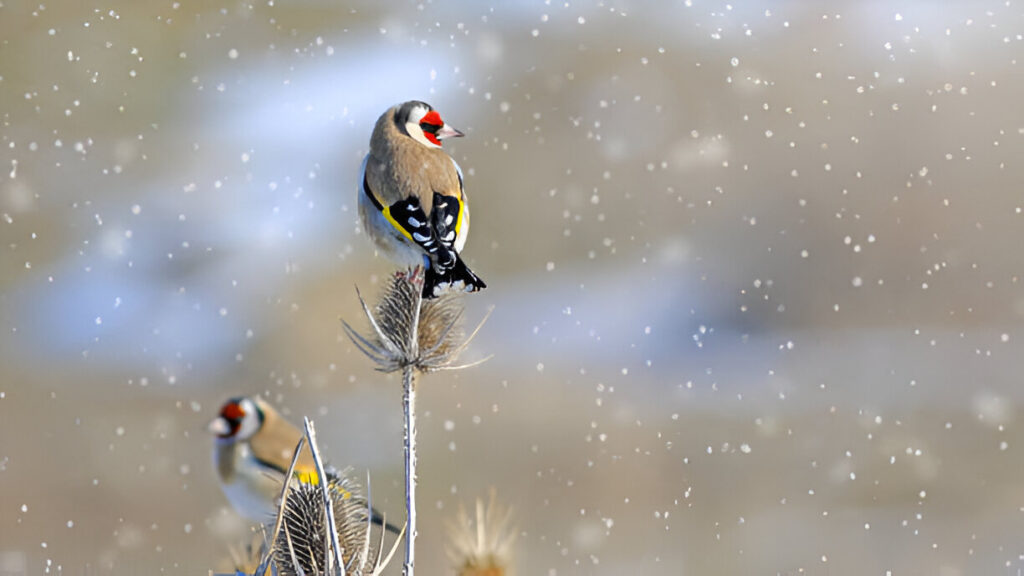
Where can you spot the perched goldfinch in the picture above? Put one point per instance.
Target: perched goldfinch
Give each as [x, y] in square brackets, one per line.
[252, 452]
[411, 200]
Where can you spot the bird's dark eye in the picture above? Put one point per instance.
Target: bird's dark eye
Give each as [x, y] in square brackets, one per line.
[431, 122]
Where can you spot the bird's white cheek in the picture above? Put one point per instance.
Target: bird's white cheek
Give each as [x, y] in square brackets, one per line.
[416, 133]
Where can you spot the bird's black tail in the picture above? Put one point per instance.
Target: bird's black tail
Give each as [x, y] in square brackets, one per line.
[459, 277]
[378, 519]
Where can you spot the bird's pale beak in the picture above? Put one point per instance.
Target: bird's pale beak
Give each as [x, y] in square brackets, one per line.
[219, 426]
[447, 131]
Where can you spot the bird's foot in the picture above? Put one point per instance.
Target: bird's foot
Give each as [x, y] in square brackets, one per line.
[414, 275]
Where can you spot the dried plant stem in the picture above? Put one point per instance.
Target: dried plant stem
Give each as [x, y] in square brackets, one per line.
[409, 405]
[409, 411]
[280, 509]
[332, 529]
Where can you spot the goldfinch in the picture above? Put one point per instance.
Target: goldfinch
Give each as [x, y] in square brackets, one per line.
[411, 200]
[253, 448]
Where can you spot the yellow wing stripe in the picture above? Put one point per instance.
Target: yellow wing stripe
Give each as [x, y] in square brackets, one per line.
[458, 219]
[386, 211]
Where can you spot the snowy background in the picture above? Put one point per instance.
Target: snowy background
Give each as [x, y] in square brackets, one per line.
[755, 269]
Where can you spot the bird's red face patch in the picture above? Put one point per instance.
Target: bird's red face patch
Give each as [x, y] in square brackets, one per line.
[430, 124]
[233, 414]
[432, 118]
[232, 411]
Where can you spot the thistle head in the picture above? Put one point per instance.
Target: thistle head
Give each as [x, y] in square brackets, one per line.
[407, 331]
[304, 537]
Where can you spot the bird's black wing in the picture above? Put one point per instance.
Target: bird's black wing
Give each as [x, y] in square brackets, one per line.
[446, 218]
[408, 217]
[435, 234]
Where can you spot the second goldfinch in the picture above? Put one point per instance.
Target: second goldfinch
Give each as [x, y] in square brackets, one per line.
[252, 452]
[411, 198]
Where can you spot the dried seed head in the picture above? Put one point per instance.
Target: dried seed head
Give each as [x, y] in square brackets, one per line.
[482, 546]
[408, 331]
[441, 334]
[304, 531]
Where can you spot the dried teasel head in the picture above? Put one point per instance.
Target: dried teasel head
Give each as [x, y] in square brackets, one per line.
[482, 545]
[305, 538]
[323, 528]
[408, 331]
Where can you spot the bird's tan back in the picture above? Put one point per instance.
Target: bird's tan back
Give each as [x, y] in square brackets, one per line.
[275, 444]
[400, 167]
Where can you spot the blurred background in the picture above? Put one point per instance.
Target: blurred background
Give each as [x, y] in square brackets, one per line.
[755, 270]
